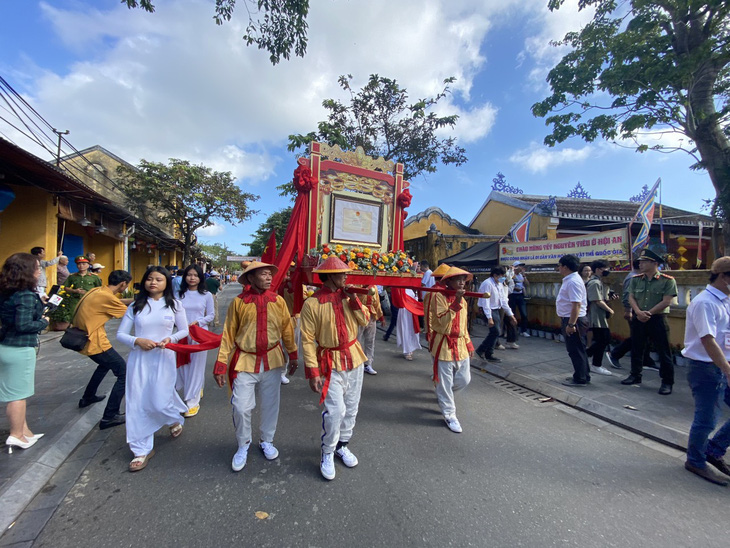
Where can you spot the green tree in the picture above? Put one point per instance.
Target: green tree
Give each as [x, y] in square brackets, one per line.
[380, 119]
[647, 65]
[278, 221]
[188, 196]
[217, 253]
[277, 26]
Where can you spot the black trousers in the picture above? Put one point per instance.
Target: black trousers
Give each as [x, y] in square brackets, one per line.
[625, 346]
[517, 304]
[575, 344]
[393, 321]
[656, 330]
[109, 360]
[488, 343]
[601, 339]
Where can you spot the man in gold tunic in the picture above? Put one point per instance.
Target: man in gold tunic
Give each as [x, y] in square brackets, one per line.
[451, 345]
[251, 355]
[329, 323]
[437, 274]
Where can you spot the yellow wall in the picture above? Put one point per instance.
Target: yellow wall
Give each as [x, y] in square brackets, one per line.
[29, 221]
[498, 218]
[419, 228]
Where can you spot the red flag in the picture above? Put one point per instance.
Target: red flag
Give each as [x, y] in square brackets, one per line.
[269, 254]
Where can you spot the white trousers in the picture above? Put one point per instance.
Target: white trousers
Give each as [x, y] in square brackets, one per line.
[243, 400]
[340, 407]
[191, 378]
[216, 319]
[366, 337]
[453, 376]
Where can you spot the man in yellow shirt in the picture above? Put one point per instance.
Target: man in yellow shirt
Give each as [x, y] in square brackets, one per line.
[330, 320]
[96, 308]
[451, 346]
[251, 355]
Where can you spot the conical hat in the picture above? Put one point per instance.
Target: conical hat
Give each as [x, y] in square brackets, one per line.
[255, 265]
[442, 269]
[333, 265]
[455, 271]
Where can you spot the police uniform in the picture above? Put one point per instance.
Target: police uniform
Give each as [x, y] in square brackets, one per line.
[648, 292]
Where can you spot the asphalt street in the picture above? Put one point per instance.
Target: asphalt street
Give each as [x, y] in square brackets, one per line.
[522, 473]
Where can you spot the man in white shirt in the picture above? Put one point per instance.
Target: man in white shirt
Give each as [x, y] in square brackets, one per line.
[571, 305]
[497, 300]
[707, 346]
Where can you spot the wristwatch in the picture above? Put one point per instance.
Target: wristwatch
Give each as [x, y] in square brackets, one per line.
[571, 325]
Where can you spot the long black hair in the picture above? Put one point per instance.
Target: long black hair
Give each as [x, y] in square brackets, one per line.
[184, 282]
[141, 298]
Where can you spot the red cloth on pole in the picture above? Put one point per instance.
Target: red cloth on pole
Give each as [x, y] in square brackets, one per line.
[401, 300]
[269, 254]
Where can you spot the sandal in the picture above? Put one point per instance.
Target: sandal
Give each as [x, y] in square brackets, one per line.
[176, 430]
[409, 357]
[139, 463]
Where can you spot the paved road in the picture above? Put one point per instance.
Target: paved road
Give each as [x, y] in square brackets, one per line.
[522, 473]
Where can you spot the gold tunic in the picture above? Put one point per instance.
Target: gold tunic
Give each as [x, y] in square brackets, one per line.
[449, 325]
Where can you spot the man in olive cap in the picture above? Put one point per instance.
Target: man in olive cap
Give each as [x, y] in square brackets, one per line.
[707, 346]
[650, 294]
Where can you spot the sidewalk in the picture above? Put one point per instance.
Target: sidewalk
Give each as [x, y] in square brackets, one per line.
[542, 364]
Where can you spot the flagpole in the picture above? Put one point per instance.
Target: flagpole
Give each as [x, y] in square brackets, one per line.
[661, 223]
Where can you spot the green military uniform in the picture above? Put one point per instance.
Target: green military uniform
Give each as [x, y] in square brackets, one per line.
[65, 312]
[648, 292]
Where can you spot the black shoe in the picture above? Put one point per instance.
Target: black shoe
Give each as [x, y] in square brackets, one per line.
[613, 361]
[707, 473]
[86, 402]
[493, 359]
[665, 389]
[570, 382]
[109, 423]
[631, 379]
[719, 463]
[480, 354]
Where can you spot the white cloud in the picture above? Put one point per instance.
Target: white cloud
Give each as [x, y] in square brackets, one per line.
[210, 231]
[174, 84]
[538, 158]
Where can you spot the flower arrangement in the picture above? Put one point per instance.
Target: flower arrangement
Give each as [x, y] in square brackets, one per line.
[65, 310]
[367, 260]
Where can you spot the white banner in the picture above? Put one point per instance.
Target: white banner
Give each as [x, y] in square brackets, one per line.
[612, 245]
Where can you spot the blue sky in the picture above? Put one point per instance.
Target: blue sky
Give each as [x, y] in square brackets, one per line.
[174, 84]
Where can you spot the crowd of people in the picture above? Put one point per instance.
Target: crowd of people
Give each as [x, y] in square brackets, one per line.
[262, 340]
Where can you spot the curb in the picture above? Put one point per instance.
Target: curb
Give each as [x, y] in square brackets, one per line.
[22, 489]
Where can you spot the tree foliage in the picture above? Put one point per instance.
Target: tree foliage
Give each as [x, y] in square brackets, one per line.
[277, 26]
[278, 221]
[218, 254]
[190, 196]
[640, 66]
[380, 119]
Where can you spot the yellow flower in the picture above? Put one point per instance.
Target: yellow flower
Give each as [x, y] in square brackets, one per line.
[352, 254]
[324, 256]
[394, 268]
[338, 249]
[381, 267]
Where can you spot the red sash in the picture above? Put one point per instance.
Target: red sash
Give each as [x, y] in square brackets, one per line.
[324, 358]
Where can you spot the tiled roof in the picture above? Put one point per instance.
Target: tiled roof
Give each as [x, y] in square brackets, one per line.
[427, 213]
[599, 210]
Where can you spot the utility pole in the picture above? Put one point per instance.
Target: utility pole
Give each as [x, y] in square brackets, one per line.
[58, 153]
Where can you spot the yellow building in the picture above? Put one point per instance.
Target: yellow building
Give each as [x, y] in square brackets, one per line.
[73, 211]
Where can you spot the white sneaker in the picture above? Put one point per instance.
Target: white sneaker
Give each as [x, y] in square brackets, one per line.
[348, 459]
[369, 370]
[513, 346]
[270, 452]
[525, 334]
[600, 371]
[239, 459]
[284, 379]
[327, 466]
[453, 424]
[500, 346]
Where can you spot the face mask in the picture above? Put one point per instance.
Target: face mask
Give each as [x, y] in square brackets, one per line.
[605, 273]
[501, 279]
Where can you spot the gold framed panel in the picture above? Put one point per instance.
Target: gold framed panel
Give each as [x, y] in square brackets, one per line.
[356, 221]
